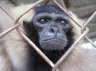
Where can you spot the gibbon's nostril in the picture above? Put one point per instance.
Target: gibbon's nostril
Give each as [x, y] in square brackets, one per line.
[54, 29]
[51, 30]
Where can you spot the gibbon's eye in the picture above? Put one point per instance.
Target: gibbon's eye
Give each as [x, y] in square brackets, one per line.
[43, 20]
[62, 22]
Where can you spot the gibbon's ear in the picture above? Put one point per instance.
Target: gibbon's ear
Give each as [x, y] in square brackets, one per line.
[30, 30]
[26, 24]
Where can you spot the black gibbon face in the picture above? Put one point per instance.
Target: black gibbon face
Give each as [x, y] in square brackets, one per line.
[50, 28]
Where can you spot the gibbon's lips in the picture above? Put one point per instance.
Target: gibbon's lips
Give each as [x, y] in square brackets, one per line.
[53, 44]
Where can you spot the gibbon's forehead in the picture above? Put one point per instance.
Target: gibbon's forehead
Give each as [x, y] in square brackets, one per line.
[48, 9]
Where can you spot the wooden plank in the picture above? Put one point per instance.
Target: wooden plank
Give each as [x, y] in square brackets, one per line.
[81, 2]
[83, 11]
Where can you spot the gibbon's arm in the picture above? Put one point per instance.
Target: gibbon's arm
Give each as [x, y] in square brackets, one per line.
[13, 49]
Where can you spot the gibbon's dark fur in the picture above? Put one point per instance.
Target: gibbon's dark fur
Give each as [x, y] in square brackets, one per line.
[17, 55]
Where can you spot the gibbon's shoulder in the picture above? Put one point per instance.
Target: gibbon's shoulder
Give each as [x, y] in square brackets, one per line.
[80, 59]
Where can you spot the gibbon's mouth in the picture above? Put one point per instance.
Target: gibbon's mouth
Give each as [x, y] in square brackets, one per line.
[53, 44]
[55, 39]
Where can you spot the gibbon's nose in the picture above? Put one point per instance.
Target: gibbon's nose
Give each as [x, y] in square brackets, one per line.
[54, 29]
